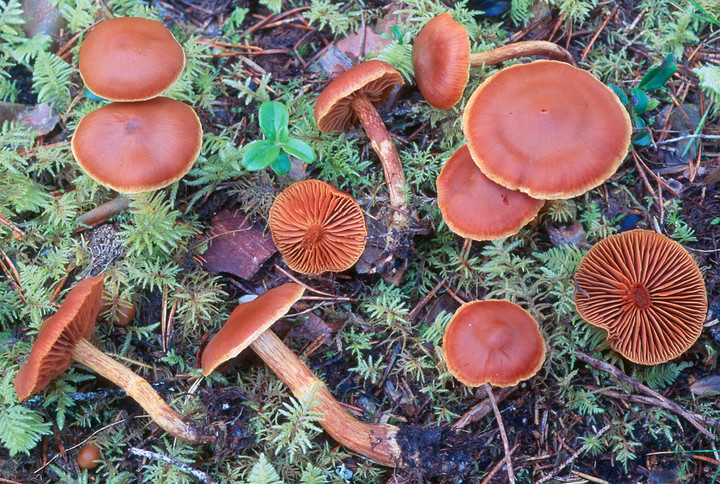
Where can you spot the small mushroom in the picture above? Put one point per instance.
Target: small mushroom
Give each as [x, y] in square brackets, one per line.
[139, 146]
[130, 59]
[646, 291]
[351, 98]
[317, 228]
[89, 456]
[476, 207]
[493, 341]
[63, 337]
[546, 128]
[249, 325]
[442, 59]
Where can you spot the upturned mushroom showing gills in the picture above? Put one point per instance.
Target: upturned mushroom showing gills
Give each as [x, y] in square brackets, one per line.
[139, 146]
[63, 337]
[493, 341]
[476, 207]
[249, 325]
[130, 59]
[351, 98]
[646, 291]
[317, 228]
[442, 59]
[546, 128]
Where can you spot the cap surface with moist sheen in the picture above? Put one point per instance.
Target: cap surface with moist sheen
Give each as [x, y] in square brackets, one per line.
[130, 59]
[493, 341]
[546, 128]
[140, 146]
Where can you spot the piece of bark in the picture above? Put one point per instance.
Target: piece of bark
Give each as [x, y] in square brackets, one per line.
[236, 246]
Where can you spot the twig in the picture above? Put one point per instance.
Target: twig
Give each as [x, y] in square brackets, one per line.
[691, 417]
[180, 465]
[688, 136]
[503, 435]
[105, 211]
[482, 408]
[570, 459]
[597, 33]
[497, 467]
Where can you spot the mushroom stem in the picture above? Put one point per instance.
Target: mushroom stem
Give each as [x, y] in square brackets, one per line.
[375, 441]
[141, 391]
[105, 211]
[385, 148]
[521, 49]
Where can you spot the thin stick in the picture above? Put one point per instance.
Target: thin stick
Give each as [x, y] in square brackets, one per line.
[597, 34]
[308, 288]
[180, 465]
[498, 417]
[480, 409]
[497, 467]
[691, 417]
[575, 455]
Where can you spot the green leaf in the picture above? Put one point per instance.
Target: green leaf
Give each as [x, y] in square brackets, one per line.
[300, 150]
[619, 93]
[273, 118]
[639, 100]
[260, 154]
[92, 96]
[281, 165]
[397, 33]
[659, 75]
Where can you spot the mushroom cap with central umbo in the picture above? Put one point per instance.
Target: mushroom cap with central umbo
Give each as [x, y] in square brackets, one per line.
[140, 146]
[373, 79]
[476, 207]
[441, 61]
[51, 354]
[646, 291]
[493, 341]
[247, 322]
[317, 228]
[546, 128]
[130, 59]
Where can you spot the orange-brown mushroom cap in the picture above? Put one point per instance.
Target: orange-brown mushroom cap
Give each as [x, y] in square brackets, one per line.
[51, 354]
[441, 60]
[247, 322]
[373, 79]
[130, 59]
[546, 128]
[317, 228]
[476, 207]
[493, 341]
[140, 146]
[646, 291]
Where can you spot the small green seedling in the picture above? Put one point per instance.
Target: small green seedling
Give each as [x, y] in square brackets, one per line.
[640, 102]
[273, 151]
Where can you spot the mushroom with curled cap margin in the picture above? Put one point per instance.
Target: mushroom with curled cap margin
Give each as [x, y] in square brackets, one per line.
[442, 59]
[546, 128]
[476, 207]
[139, 146]
[130, 59]
[350, 98]
[249, 325]
[317, 228]
[646, 291]
[63, 337]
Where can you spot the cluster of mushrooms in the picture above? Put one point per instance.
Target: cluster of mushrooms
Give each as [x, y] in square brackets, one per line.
[535, 132]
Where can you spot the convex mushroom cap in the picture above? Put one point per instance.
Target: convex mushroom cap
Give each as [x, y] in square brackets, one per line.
[130, 59]
[493, 341]
[317, 228]
[646, 291]
[247, 322]
[441, 61]
[52, 352]
[372, 79]
[140, 146]
[476, 207]
[546, 128]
